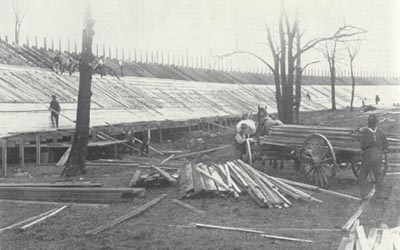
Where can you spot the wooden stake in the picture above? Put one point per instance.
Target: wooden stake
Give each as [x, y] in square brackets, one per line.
[21, 152]
[27, 226]
[187, 206]
[135, 178]
[136, 212]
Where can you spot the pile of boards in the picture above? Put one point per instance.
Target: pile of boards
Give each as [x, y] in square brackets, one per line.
[148, 171]
[235, 178]
[378, 238]
[67, 192]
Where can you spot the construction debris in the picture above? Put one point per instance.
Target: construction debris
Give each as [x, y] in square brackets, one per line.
[71, 194]
[235, 178]
[55, 184]
[136, 212]
[378, 238]
[246, 230]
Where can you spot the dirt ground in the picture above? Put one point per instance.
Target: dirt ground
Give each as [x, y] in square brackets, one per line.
[167, 225]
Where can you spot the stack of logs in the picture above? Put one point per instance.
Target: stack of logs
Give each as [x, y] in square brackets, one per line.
[235, 178]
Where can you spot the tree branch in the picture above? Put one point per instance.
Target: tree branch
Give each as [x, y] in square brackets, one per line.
[246, 53]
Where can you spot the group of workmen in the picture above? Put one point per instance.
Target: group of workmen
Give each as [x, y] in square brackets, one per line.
[373, 143]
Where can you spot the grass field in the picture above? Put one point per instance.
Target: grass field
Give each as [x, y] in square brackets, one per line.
[168, 226]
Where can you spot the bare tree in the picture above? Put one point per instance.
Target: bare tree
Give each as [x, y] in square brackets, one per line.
[286, 54]
[20, 9]
[330, 52]
[75, 164]
[353, 52]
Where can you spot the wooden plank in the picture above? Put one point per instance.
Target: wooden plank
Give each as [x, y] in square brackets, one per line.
[359, 211]
[187, 206]
[166, 175]
[246, 230]
[362, 239]
[26, 220]
[136, 212]
[54, 203]
[64, 158]
[135, 178]
[29, 225]
[316, 188]
[56, 184]
[218, 181]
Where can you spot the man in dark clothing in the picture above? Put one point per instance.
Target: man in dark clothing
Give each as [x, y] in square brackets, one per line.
[55, 110]
[377, 99]
[374, 145]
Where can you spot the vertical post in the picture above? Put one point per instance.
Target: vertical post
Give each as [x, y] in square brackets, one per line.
[4, 156]
[134, 55]
[52, 44]
[45, 43]
[115, 150]
[116, 52]
[21, 152]
[38, 149]
[75, 47]
[36, 43]
[161, 135]
[162, 57]
[129, 55]
[109, 52]
[104, 50]
[69, 45]
[97, 50]
[94, 135]
[123, 54]
[59, 44]
[6, 38]
[27, 41]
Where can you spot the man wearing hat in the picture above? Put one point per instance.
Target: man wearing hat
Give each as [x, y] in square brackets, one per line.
[373, 144]
[55, 110]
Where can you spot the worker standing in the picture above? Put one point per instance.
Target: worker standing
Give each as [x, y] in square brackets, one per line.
[55, 110]
[374, 145]
[239, 142]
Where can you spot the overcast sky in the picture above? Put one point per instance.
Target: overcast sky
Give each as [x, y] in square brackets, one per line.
[199, 27]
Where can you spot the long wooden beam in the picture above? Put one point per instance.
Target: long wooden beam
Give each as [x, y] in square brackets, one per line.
[27, 226]
[136, 212]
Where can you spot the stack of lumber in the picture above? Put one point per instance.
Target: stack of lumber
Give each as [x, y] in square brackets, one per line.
[341, 138]
[67, 192]
[377, 238]
[141, 162]
[236, 178]
[294, 135]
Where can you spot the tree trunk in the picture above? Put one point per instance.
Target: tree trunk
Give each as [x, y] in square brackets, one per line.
[297, 98]
[286, 103]
[333, 83]
[353, 85]
[75, 164]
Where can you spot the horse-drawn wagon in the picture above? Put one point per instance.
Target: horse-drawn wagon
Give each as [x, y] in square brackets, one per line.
[318, 150]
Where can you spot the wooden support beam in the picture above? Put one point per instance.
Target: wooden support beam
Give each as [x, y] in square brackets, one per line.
[4, 156]
[136, 212]
[201, 152]
[360, 210]
[38, 161]
[166, 175]
[21, 152]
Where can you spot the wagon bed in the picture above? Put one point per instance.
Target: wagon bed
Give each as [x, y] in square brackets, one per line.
[319, 149]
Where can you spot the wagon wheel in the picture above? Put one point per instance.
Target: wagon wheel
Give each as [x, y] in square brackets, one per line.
[318, 160]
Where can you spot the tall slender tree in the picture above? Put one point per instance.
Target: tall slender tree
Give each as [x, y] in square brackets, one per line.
[75, 164]
[20, 9]
[353, 52]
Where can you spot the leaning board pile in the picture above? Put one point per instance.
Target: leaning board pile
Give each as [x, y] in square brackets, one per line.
[235, 178]
[377, 238]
